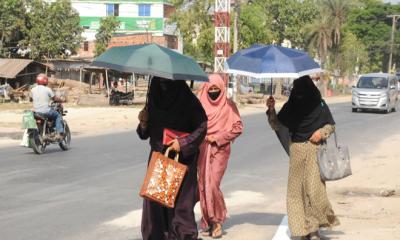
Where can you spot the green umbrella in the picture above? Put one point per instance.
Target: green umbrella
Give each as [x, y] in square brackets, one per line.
[151, 59]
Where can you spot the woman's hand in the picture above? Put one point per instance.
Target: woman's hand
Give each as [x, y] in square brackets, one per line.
[316, 137]
[271, 103]
[174, 145]
[143, 117]
[211, 139]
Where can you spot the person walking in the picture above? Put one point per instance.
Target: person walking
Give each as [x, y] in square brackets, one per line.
[303, 122]
[223, 127]
[172, 105]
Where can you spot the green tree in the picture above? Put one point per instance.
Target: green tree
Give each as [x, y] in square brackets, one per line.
[66, 33]
[336, 12]
[196, 26]
[285, 19]
[52, 29]
[254, 26]
[372, 27]
[12, 22]
[354, 55]
[319, 38]
[108, 26]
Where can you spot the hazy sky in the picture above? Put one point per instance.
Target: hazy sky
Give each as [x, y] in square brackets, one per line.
[392, 1]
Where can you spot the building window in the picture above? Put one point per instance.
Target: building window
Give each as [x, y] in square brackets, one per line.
[144, 10]
[113, 10]
[85, 46]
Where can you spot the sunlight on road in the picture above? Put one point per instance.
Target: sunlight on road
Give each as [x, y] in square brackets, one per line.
[234, 199]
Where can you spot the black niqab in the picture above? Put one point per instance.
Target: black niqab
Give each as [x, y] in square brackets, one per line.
[172, 105]
[305, 111]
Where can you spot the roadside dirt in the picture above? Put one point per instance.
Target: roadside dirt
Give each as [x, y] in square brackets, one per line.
[368, 202]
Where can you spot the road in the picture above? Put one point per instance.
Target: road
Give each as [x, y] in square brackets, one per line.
[91, 191]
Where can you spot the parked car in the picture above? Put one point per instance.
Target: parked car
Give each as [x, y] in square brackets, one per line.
[375, 91]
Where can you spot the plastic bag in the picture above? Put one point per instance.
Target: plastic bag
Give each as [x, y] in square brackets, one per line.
[28, 120]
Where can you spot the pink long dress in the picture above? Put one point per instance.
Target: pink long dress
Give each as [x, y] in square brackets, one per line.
[225, 125]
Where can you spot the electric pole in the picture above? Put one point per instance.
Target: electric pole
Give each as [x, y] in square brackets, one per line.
[235, 27]
[394, 21]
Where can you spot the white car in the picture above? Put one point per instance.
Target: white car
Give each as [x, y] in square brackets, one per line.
[375, 91]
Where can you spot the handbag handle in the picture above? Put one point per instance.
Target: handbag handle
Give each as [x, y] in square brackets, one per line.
[167, 153]
[335, 137]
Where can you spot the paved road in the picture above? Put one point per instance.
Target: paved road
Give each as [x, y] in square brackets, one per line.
[91, 191]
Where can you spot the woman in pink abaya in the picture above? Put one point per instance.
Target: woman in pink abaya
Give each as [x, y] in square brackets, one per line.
[224, 125]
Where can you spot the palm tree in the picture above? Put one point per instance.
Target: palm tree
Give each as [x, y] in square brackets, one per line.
[336, 12]
[319, 37]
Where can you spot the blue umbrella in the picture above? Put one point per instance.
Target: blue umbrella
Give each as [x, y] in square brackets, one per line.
[271, 61]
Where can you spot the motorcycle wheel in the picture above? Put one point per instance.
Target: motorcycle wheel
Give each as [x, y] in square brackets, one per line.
[65, 144]
[35, 142]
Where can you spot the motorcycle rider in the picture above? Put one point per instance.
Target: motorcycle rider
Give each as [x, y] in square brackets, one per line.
[42, 96]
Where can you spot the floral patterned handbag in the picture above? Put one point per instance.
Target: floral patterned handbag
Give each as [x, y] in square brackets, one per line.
[163, 179]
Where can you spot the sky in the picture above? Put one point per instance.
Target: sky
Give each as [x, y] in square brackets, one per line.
[392, 1]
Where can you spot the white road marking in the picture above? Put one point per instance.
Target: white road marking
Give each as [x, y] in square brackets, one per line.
[283, 232]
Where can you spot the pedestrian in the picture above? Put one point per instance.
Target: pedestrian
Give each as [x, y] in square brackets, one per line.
[224, 125]
[172, 105]
[302, 123]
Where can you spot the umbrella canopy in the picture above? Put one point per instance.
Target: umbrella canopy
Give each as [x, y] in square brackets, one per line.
[151, 59]
[271, 61]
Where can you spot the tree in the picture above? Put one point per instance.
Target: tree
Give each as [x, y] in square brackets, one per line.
[12, 22]
[52, 30]
[195, 23]
[254, 26]
[108, 26]
[319, 37]
[354, 55]
[336, 12]
[66, 30]
[372, 27]
[285, 19]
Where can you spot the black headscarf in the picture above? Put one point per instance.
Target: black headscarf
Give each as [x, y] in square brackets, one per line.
[172, 105]
[305, 111]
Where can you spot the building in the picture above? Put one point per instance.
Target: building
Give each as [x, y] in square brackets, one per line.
[18, 72]
[141, 21]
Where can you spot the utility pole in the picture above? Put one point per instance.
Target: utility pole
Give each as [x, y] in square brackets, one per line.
[222, 36]
[394, 21]
[235, 26]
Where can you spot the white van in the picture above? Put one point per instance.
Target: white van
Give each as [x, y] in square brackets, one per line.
[375, 91]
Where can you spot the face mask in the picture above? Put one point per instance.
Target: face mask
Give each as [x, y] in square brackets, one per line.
[214, 95]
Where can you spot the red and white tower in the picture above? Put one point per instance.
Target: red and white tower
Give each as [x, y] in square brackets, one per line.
[222, 35]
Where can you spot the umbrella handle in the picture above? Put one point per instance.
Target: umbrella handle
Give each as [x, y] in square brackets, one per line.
[148, 90]
[272, 91]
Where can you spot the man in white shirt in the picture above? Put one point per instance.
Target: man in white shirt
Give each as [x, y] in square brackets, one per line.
[42, 96]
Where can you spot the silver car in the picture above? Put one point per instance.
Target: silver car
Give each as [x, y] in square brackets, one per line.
[375, 91]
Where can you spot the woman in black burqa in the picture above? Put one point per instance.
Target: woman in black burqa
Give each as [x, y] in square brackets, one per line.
[172, 105]
[303, 122]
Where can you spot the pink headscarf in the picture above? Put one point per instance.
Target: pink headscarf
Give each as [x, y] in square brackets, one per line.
[221, 113]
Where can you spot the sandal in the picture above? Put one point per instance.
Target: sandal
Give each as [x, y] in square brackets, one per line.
[217, 231]
[314, 236]
[206, 232]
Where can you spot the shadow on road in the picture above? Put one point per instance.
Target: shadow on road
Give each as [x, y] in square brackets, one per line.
[254, 218]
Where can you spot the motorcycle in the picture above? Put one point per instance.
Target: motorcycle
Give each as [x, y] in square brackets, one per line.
[44, 132]
[121, 98]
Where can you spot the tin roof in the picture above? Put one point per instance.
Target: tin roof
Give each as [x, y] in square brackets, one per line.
[10, 68]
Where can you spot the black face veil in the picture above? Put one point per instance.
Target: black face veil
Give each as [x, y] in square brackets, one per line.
[305, 111]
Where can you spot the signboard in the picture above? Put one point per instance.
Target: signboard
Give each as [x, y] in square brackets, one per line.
[126, 23]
